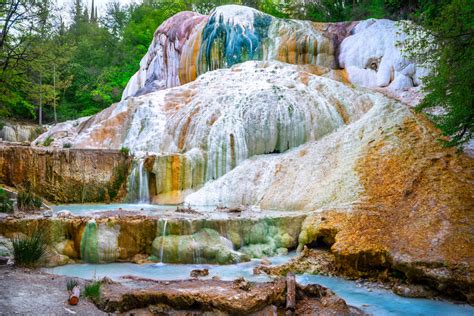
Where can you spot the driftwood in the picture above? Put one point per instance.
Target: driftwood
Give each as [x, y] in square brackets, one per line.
[74, 297]
[290, 294]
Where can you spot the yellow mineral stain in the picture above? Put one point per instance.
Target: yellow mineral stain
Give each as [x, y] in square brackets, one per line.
[414, 189]
[175, 173]
[341, 110]
[189, 56]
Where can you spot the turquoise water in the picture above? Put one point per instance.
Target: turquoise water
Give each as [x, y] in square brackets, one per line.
[375, 301]
[83, 209]
[161, 271]
[384, 302]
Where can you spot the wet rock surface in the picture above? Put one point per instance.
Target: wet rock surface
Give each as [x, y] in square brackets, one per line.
[308, 261]
[165, 237]
[192, 294]
[215, 297]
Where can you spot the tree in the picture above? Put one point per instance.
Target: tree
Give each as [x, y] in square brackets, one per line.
[23, 23]
[445, 42]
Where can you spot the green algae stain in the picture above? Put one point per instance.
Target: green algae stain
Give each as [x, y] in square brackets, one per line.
[89, 244]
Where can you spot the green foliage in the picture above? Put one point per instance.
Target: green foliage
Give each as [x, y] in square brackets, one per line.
[67, 145]
[92, 290]
[70, 284]
[6, 205]
[349, 10]
[125, 151]
[48, 141]
[446, 43]
[27, 200]
[82, 68]
[29, 249]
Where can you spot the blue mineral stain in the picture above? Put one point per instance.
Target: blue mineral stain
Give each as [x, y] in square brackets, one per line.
[225, 44]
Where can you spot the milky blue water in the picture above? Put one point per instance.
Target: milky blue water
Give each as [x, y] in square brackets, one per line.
[384, 302]
[85, 209]
[374, 301]
[162, 271]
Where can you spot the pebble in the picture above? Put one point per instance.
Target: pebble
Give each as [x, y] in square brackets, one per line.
[64, 214]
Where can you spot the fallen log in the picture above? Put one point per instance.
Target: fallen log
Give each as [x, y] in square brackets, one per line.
[74, 297]
[290, 294]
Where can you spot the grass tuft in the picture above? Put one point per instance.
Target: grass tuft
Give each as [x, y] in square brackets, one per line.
[29, 249]
[6, 205]
[125, 151]
[48, 141]
[70, 284]
[27, 200]
[92, 290]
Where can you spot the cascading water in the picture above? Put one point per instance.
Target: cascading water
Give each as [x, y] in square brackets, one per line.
[163, 239]
[138, 190]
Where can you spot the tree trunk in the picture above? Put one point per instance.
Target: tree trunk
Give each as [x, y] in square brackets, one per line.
[290, 294]
[41, 103]
[54, 94]
[74, 297]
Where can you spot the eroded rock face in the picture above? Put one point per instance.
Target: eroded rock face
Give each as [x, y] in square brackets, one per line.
[215, 297]
[139, 238]
[225, 241]
[11, 132]
[68, 176]
[204, 246]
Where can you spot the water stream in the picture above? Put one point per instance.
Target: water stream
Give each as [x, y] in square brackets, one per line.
[162, 240]
[138, 190]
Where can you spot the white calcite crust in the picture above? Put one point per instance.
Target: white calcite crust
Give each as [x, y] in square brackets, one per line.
[228, 115]
[318, 174]
[372, 56]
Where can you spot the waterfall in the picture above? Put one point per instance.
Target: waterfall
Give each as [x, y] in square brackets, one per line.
[194, 245]
[143, 191]
[138, 190]
[163, 239]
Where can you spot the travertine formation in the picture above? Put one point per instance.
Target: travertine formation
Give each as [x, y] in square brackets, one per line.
[191, 239]
[188, 45]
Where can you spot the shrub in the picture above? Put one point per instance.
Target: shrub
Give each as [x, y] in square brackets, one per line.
[29, 249]
[125, 151]
[6, 205]
[70, 284]
[27, 200]
[92, 290]
[48, 141]
[67, 145]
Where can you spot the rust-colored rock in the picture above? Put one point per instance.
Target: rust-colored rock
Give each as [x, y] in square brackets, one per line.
[414, 217]
[65, 175]
[194, 294]
[218, 297]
